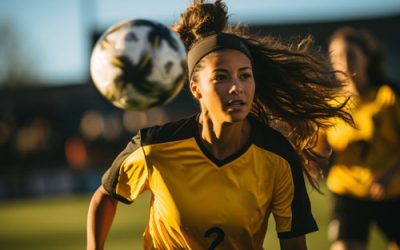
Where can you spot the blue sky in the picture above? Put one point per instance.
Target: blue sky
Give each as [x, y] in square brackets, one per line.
[55, 34]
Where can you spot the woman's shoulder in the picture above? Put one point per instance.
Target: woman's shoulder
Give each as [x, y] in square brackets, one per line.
[170, 131]
[272, 140]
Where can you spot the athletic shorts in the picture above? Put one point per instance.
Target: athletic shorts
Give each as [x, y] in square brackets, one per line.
[352, 218]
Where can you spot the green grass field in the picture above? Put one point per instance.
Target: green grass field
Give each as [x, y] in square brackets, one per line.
[59, 223]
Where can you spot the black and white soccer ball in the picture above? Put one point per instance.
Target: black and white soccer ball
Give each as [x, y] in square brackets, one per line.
[138, 64]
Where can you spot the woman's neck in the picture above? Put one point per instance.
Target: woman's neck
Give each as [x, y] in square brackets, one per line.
[223, 139]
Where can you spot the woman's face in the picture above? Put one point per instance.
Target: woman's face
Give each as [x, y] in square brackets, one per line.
[225, 85]
[349, 58]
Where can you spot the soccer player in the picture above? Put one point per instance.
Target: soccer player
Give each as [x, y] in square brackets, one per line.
[365, 177]
[216, 177]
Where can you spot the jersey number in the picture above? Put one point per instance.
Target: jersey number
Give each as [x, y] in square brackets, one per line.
[220, 236]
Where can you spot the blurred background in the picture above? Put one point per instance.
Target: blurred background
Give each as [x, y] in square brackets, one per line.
[58, 134]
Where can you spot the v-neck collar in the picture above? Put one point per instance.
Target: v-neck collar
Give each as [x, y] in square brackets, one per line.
[237, 154]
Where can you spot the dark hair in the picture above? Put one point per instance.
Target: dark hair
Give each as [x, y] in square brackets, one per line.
[372, 49]
[295, 86]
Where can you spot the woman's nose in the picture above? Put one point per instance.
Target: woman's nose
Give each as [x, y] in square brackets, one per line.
[236, 87]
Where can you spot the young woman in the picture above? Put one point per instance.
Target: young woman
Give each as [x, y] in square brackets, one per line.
[365, 177]
[216, 177]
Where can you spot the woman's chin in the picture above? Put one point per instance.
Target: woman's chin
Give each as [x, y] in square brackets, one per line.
[236, 116]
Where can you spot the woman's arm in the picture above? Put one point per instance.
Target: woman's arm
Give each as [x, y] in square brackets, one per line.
[380, 183]
[297, 243]
[101, 213]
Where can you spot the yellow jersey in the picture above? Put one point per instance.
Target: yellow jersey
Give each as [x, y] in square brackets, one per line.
[200, 202]
[364, 152]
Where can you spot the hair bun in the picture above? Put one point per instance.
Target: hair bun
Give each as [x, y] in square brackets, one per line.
[201, 20]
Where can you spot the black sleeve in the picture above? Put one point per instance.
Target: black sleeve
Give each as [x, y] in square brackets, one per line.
[291, 204]
[110, 178]
[303, 221]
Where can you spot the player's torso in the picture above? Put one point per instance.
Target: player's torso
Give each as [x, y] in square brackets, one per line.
[370, 148]
[195, 199]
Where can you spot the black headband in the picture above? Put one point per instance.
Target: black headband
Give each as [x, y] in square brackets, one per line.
[214, 43]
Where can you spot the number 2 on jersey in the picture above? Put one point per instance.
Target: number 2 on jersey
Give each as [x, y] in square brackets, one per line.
[220, 236]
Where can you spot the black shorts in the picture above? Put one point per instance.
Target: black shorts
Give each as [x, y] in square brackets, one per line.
[353, 217]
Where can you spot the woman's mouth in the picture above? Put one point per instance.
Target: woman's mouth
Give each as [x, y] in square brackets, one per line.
[236, 104]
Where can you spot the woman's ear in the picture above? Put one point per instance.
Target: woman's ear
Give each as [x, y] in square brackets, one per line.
[194, 88]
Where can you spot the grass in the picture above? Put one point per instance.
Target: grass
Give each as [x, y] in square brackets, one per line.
[59, 223]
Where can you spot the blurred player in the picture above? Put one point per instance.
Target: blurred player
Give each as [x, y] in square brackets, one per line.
[216, 177]
[365, 177]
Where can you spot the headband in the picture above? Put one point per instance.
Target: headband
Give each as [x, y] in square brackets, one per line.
[214, 43]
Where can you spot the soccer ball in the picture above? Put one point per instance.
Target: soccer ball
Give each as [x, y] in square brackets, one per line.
[138, 64]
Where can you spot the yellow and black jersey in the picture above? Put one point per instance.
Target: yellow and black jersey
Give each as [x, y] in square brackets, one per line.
[373, 147]
[198, 201]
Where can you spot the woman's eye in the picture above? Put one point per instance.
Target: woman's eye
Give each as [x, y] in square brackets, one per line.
[219, 77]
[245, 76]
